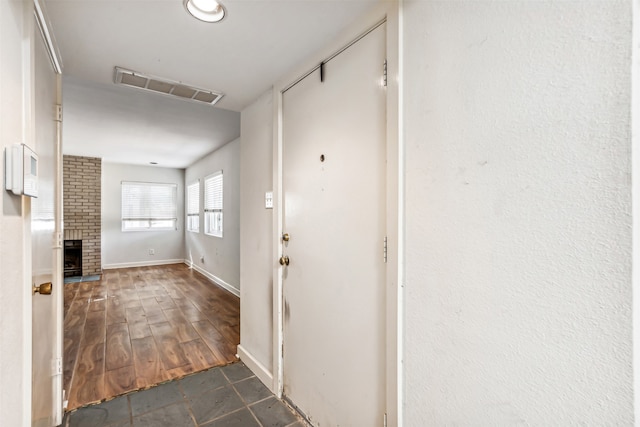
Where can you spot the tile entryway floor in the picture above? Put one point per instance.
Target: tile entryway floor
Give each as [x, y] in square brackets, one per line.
[229, 396]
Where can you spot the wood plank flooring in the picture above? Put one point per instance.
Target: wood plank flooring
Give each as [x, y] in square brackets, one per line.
[138, 327]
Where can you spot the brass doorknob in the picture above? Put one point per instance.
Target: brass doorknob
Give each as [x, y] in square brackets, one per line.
[286, 237]
[284, 260]
[43, 289]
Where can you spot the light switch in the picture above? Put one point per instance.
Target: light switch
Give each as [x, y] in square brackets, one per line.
[268, 200]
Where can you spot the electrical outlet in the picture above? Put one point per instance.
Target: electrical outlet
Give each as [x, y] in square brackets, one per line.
[152, 252]
[268, 200]
[202, 259]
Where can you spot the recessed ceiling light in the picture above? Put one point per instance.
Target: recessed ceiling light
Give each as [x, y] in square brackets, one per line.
[205, 10]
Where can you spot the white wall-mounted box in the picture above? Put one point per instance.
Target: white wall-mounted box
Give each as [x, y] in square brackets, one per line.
[21, 170]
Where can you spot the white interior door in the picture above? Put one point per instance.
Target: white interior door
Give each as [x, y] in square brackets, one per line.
[46, 252]
[334, 199]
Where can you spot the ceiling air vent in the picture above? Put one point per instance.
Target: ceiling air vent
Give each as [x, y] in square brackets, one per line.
[138, 80]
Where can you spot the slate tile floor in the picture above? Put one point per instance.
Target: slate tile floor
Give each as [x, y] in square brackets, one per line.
[229, 396]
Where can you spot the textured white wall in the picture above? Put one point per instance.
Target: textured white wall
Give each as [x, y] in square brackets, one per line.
[221, 255]
[518, 213]
[131, 248]
[256, 228]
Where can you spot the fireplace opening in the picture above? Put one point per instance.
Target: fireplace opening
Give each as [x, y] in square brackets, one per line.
[72, 258]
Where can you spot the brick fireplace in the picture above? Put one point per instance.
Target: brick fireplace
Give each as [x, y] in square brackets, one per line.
[82, 178]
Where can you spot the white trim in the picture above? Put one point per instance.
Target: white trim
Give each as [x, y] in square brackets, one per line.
[635, 194]
[50, 45]
[28, 135]
[256, 367]
[278, 314]
[218, 281]
[399, 319]
[59, 404]
[142, 264]
[395, 215]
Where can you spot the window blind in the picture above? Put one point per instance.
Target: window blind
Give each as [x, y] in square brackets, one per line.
[193, 199]
[193, 206]
[213, 192]
[213, 196]
[148, 205]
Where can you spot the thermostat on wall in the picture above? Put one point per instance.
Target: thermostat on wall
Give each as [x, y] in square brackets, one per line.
[21, 170]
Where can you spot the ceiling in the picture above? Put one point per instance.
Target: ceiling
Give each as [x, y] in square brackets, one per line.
[257, 43]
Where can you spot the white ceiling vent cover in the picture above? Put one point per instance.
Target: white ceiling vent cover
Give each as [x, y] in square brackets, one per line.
[125, 77]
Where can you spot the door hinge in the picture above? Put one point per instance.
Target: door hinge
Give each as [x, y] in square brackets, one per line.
[384, 73]
[56, 366]
[385, 420]
[384, 250]
[57, 240]
[58, 113]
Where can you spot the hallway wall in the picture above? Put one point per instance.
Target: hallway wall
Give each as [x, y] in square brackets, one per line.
[256, 238]
[518, 213]
[221, 256]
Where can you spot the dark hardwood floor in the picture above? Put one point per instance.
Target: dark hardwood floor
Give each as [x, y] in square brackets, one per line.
[138, 327]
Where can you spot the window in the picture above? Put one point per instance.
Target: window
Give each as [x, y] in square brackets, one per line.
[193, 207]
[213, 204]
[149, 206]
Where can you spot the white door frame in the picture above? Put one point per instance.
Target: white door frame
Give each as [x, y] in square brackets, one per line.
[389, 11]
[43, 25]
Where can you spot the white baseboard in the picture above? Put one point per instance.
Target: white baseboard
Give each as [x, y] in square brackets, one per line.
[256, 367]
[218, 281]
[141, 264]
